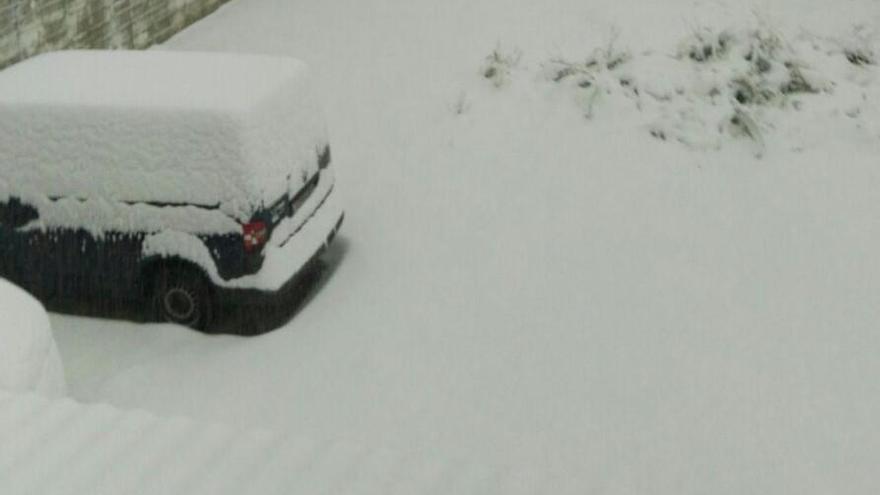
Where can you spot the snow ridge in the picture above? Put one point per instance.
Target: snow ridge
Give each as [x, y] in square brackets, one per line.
[56, 447]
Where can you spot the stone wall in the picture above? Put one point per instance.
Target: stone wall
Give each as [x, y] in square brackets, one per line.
[28, 27]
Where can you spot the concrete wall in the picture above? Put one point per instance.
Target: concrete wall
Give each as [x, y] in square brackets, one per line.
[28, 27]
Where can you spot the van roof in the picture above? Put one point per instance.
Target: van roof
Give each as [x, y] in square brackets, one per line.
[155, 79]
[238, 131]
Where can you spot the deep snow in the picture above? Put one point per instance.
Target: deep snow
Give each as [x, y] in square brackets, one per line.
[520, 285]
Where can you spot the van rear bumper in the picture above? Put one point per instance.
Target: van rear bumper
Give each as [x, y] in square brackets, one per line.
[282, 264]
[299, 280]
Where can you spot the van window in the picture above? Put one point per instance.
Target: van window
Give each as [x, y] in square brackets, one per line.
[15, 214]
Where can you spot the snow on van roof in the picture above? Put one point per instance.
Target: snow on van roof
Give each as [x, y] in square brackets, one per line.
[154, 79]
[236, 132]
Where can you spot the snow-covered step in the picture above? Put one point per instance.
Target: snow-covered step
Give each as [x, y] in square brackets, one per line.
[58, 447]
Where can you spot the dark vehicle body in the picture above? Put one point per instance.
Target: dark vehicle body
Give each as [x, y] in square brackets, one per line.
[71, 262]
[147, 191]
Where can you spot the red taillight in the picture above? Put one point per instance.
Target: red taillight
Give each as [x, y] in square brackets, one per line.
[255, 235]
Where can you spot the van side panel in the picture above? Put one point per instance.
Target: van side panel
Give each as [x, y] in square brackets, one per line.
[62, 261]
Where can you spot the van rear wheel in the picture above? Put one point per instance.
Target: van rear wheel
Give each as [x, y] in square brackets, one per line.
[183, 296]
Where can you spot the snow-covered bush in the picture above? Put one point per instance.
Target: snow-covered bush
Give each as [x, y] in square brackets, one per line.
[720, 86]
[602, 60]
[716, 86]
[29, 360]
[762, 68]
[858, 46]
[599, 74]
[742, 72]
[498, 65]
[704, 45]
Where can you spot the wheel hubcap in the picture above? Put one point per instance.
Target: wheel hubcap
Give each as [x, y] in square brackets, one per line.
[180, 304]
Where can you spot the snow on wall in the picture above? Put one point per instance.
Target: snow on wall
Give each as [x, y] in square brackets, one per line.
[28, 27]
[29, 359]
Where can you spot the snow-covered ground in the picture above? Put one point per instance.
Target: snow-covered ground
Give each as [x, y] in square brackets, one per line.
[531, 276]
[62, 447]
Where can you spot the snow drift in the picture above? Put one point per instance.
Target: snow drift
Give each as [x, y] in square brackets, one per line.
[29, 360]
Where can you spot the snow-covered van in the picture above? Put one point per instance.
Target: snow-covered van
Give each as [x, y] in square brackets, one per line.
[179, 177]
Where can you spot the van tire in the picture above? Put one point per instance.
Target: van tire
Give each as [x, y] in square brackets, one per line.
[182, 295]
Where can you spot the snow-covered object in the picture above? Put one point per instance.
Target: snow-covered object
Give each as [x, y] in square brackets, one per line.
[234, 131]
[99, 449]
[29, 360]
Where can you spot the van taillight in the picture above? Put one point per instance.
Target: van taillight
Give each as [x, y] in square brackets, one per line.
[255, 235]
